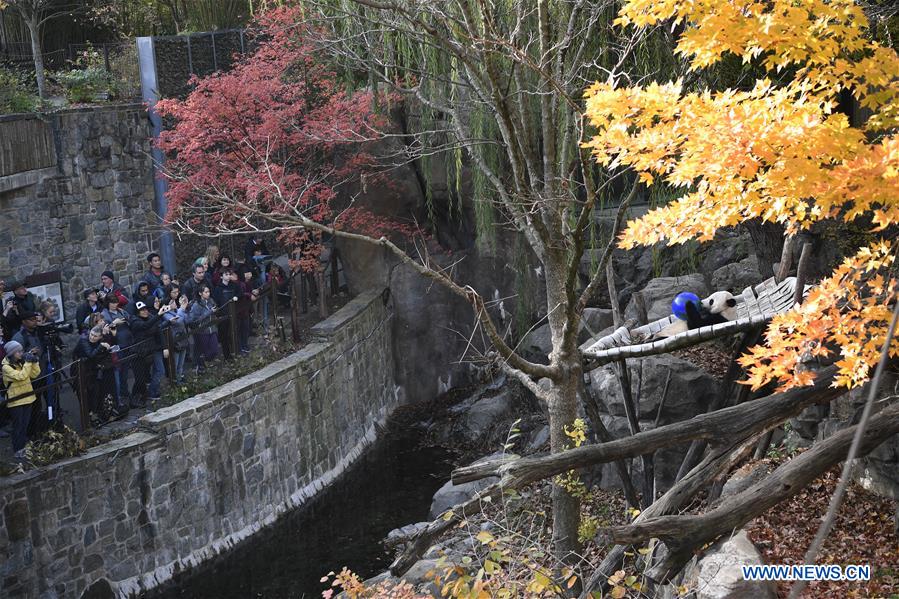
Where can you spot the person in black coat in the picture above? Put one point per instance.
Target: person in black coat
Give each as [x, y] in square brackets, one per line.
[97, 369]
[149, 366]
[90, 306]
[227, 291]
[254, 249]
[142, 293]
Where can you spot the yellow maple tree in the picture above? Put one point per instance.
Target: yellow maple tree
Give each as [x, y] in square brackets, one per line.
[779, 152]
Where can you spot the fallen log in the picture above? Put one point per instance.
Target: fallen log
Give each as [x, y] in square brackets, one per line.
[715, 464]
[725, 425]
[684, 533]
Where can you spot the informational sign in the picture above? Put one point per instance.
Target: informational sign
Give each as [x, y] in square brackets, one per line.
[46, 287]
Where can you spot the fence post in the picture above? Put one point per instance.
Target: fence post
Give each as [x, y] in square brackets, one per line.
[232, 327]
[281, 329]
[273, 308]
[106, 58]
[170, 359]
[296, 303]
[304, 292]
[82, 391]
[322, 301]
[335, 278]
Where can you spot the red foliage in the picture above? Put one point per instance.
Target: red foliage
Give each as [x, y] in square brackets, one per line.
[269, 140]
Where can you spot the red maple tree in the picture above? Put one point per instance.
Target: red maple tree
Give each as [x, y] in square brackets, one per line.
[266, 145]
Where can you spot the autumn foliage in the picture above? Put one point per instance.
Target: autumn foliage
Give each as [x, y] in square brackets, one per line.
[270, 142]
[778, 151]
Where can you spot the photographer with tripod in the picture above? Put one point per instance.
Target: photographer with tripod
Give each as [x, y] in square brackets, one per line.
[48, 332]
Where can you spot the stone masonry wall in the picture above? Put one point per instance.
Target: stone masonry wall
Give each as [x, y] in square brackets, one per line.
[91, 211]
[203, 474]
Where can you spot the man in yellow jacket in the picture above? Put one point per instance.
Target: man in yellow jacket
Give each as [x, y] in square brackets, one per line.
[19, 369]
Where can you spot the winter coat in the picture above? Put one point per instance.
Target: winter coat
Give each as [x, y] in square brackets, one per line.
[83, 313]
[17, 379]
[244, 299]
[147, 334]
[177, 320]
[153, 280]
[124, 336]
[147, 299]
[226, 293]
[200, 315]
[118, 291]
[190, 287]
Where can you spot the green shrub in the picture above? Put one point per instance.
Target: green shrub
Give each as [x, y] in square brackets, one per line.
[88, 80]
[15, 95]
[85, 85]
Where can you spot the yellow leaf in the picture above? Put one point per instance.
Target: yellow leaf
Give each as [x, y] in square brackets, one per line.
[484, 537]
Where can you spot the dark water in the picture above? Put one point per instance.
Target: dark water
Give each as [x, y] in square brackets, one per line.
[391, 486]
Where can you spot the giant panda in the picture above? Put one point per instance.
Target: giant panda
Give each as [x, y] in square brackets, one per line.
[719, 307]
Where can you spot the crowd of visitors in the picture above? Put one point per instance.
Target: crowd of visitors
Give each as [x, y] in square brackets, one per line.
[125, 338]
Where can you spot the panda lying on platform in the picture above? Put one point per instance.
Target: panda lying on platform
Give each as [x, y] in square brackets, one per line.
[719, 307]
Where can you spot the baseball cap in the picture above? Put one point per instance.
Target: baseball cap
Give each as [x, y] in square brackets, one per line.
[140, 306]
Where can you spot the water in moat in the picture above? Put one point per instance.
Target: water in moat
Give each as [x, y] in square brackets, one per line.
[391, 486]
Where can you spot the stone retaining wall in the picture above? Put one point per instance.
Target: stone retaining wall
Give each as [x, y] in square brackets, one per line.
[83, 206]
[203, 474]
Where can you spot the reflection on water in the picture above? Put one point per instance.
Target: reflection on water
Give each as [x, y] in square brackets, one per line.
[390, 487]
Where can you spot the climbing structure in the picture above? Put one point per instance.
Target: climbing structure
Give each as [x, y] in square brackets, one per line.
[755, 306]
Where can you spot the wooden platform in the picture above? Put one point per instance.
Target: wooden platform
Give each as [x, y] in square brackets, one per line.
[755, 306]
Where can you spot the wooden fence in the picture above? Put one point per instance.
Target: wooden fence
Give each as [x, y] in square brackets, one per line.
[26, 144]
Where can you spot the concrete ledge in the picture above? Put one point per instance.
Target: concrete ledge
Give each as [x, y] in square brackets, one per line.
[351, 310]
[24, 179]
[112, 106]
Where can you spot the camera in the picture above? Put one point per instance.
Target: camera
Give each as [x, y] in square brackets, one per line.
[30, 357]
[49, 333]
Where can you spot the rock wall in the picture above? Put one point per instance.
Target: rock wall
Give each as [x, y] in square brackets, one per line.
[203, 474]
[92, 209]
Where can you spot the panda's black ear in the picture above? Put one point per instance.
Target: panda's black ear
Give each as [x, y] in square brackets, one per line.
[731, 302]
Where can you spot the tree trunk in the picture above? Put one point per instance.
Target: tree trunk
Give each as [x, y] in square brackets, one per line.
[561, 400]
[34, 32]
[566, 508]
[768, 241]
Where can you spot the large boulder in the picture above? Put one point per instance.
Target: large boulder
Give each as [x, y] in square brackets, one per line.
[486, 414]
[690, 391]
[537, 344]
[718, 575]
[737, 276]
[450, 495]
[594, 321]
[659, 292]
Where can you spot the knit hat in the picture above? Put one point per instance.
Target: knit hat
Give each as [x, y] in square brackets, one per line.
[108, 273]
[12, 347]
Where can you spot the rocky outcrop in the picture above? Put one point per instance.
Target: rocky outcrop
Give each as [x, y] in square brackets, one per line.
[737, 276]
[718, 575]
[690, 391]
[450, 495]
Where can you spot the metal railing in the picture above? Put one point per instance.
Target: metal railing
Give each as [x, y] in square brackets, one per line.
[76, 375]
